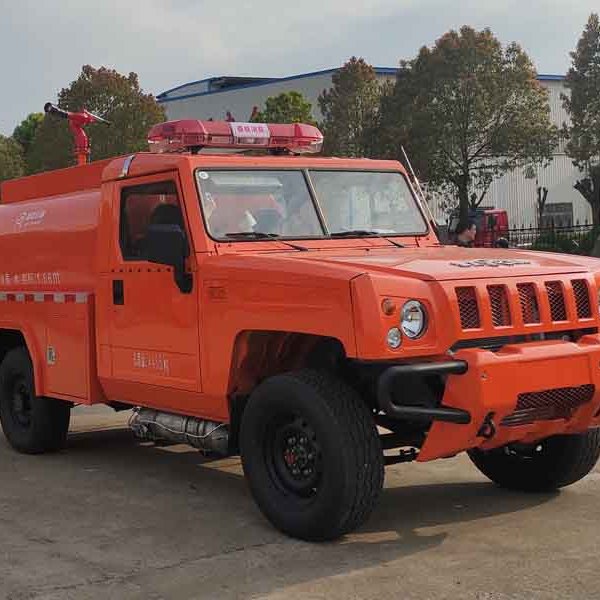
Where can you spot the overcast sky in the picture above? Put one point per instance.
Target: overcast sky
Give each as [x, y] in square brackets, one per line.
[43, 43]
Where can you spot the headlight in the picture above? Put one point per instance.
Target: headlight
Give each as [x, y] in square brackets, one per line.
[413, 319]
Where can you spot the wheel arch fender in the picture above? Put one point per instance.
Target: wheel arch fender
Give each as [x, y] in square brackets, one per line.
[14, 335]
[258, 355]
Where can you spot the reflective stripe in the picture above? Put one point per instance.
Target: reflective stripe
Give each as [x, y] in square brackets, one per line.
[41, 297]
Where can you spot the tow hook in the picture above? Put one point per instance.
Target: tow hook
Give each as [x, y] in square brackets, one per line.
[488, 427]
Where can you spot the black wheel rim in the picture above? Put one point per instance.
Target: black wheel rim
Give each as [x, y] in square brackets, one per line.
[21, 402]
[293, 456]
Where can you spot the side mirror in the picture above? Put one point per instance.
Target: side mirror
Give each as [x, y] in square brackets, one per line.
[167, 245]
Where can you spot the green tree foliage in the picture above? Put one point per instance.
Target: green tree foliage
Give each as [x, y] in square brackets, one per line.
[583, 106]
[26, 130]
[350, 110]
[109, 94]
[12, 163]
[468, 111]
[287, 107]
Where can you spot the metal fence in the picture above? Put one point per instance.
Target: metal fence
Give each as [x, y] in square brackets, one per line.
[577, 239]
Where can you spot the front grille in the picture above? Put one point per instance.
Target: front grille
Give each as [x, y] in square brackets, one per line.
[582, 299]
[468, 308]
[529, 303]
[559, 403]
[499, 305]
[556, 297]
[567, 300]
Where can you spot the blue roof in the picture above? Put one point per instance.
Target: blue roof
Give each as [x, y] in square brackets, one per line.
[209, 80]
[543, 77]
[163, 96]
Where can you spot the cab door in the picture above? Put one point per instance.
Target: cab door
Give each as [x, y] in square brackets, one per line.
[154, 339]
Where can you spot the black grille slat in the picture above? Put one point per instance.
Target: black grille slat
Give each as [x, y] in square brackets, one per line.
[499, 305]
[547, 405]
[556, 298]
[468, 308]
[582, 298]
[529, 303]
[567, 300]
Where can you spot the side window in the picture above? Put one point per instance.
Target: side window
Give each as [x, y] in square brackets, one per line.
[142, 206]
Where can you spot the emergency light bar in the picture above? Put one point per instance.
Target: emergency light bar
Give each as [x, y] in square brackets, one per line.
[192, 135]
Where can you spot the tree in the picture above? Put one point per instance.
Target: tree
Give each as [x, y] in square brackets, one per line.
[11, 159]
[583, 106]
[26, 130]
[109, 94]
[468, 111]
[350, 109]
[287, 107]
[541, 193]
[540, 202]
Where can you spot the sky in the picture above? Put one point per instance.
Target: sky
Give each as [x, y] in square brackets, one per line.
[44, 43]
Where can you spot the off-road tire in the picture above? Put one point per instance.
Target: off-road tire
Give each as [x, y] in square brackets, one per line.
[31, 424]
[548, 465]
[349, 466]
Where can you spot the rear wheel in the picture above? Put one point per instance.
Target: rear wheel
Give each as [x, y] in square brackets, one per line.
[311, 454]
[31, 424]
[544, 466]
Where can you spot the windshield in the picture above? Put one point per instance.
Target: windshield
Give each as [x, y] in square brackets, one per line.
[256, 204]
[367, 201]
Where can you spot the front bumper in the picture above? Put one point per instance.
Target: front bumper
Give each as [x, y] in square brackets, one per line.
[480, 401]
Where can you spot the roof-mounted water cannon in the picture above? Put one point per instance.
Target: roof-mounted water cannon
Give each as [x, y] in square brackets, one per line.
[77, 121]
[192, 135]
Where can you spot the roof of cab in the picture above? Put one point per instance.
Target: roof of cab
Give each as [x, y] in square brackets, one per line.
[91, 176]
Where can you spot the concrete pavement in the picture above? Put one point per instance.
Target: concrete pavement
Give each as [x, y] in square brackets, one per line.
[114, 518]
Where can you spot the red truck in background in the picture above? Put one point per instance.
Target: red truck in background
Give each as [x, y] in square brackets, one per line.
[492, 224]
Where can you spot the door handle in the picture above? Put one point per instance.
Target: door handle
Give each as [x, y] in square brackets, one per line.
[118, 292]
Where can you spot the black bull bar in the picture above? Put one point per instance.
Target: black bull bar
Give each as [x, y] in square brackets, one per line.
[420, 413]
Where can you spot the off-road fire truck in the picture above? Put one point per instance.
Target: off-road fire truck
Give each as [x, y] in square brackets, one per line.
[293, 309]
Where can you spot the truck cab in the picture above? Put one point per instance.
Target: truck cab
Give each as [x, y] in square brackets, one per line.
[491, 224]
[294, 309]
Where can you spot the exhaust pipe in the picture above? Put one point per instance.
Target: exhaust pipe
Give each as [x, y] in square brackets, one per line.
[152, 425]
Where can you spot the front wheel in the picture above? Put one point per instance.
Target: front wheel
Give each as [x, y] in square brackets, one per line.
[311, 454]
[544, 466]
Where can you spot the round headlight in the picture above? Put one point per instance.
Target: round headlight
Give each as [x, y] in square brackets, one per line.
[413, 320]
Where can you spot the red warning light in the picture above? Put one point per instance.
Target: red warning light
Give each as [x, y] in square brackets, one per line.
[193, 135]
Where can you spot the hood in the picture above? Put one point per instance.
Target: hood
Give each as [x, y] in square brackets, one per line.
[446, 263]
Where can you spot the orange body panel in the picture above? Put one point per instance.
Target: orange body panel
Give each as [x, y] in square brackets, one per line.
[60, 260]
[495, 380]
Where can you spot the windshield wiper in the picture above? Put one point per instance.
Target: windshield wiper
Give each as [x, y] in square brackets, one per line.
[397, 244]
[263, 235]
[364, 233]
[355, 233]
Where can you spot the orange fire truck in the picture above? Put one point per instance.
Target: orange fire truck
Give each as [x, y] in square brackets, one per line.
[293, 309]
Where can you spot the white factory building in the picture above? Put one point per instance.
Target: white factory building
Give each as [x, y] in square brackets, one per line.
[224, 97]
